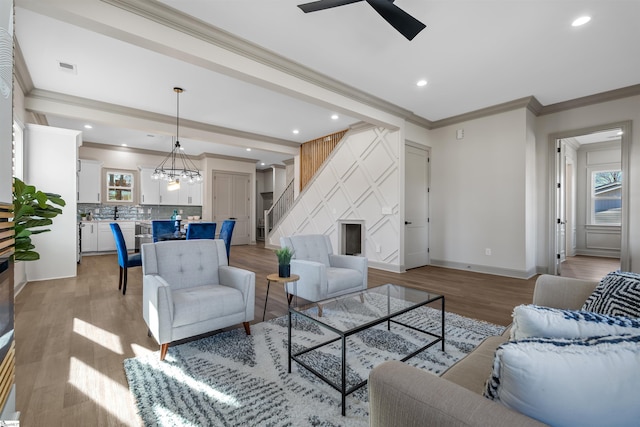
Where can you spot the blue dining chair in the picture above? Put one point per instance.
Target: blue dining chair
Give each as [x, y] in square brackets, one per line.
[125, 260]
[225, 234]
[201, 230]
[161, 227]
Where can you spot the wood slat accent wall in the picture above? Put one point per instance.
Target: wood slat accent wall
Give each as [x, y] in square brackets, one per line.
[7, 241]
[6, 230]
[314, 153]
[7, 374]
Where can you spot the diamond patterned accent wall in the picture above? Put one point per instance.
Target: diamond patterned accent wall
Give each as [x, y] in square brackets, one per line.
[361, 176]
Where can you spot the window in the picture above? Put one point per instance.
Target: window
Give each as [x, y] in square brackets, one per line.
[119, 187]
[606, 197]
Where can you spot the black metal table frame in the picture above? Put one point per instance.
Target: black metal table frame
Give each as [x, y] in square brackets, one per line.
[343, 335]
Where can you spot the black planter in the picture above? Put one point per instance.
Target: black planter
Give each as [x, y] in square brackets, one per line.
[284, 270]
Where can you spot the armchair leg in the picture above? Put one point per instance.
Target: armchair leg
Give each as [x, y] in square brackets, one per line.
[247, 327]
[319, 310]
[163, 350]
[120, 280]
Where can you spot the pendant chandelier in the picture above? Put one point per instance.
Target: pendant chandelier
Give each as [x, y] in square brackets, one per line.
[177, 167]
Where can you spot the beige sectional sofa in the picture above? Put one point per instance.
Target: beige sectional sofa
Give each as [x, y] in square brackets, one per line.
[403, 396]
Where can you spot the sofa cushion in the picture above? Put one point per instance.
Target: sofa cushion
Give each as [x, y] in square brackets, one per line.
[201, 303]
[617, 294]
[340, 279]
[570, 382]
[311, 247]
[471, 371]
[535, 321]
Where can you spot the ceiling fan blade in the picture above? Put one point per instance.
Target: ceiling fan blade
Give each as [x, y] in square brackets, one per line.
[324, 4]
[406, 24]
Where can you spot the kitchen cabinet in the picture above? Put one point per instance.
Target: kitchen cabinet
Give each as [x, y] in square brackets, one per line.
[190, 194]
[89, 174]
[168, 197]
[104, 241]
[119, 187]
[155, 192]
[89, 236]
[149, 188]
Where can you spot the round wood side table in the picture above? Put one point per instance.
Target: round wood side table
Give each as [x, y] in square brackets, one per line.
[274, 277]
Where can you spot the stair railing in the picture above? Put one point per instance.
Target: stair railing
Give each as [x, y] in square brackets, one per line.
[279, 208]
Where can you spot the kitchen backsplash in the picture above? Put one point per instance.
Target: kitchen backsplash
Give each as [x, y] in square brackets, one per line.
[107, 212]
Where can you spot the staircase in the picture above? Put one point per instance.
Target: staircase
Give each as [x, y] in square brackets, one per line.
[313, 154]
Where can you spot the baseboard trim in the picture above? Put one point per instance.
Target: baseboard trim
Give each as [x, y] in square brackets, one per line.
[394, 268]
[518, 274]
[604, 253]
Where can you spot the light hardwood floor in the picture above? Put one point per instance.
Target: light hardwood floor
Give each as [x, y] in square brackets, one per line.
[72, 335]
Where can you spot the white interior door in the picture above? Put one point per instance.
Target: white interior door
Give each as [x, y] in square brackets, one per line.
[232, 200]
[416, 240]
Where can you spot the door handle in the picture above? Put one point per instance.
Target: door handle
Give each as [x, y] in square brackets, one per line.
[407, 222]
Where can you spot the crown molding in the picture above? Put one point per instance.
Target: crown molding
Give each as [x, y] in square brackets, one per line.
[20, 70]
[179, 21]
[528, 102]
[585, 101]
[223, 157]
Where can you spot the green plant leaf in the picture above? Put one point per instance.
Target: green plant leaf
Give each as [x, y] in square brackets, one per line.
[32, 209]
[27, 256]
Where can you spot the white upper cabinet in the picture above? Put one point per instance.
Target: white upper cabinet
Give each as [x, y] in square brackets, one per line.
[190, 194]
[154, 192]
[89, 183]
[149, 188]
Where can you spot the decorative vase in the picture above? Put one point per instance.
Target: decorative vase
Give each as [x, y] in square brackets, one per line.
[284, 270]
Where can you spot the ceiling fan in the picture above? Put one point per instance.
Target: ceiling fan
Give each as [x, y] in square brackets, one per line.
[406, 24]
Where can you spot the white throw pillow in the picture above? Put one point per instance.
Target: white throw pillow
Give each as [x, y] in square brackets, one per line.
[580, 382]
[536, 321]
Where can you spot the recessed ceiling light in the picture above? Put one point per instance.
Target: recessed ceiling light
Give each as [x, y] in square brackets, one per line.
[334, 117]
[182, 148]
[581, 21]
[124, 145]
[421, 83]
[296, 131]
[88, 127]
[262, 164]
[248, 149]
[620, 133]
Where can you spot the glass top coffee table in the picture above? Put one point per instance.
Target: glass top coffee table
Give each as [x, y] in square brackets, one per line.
[353, 313]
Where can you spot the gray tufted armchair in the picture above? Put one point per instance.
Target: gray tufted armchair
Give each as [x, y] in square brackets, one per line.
[188, 289]
[323, 274]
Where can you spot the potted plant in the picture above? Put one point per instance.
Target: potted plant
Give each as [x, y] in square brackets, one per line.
[284, 261]
[32, 209]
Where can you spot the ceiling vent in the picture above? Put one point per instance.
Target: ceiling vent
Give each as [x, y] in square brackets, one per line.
[66, 67]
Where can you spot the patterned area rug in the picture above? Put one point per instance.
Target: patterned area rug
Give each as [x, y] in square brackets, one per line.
[231, 379]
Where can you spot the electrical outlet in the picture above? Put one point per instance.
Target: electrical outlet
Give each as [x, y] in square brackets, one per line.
[487, 251]
[378, 249]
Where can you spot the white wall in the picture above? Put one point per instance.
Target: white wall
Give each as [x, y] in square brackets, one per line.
[51, 163]
[579, 118]
[279, 181]
[480, 193]
[361, 176]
